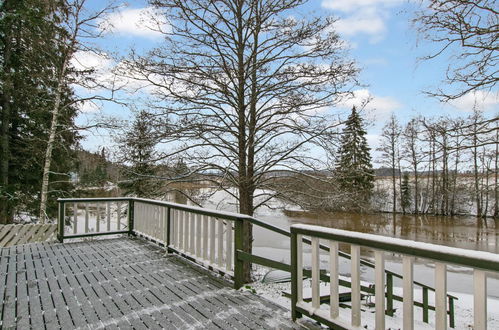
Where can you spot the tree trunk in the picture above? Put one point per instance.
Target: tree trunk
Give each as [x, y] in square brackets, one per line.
[496, 172]
[5, 205]
[48, 155]
[50, 143]
[245, 195]
[394, 180]
[475, 174]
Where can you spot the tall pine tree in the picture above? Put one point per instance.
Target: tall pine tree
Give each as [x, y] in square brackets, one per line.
[137, 152]
[354, 172]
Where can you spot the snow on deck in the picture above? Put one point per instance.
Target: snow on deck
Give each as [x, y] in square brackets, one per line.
[121, 283]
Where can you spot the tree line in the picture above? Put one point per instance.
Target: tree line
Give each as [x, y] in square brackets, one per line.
[450, 165]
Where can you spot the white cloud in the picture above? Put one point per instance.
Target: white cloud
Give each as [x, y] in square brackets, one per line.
[366, 21]
[143, 22]
[481, 100]
[380, 107]
[87, 60]
[362, 16]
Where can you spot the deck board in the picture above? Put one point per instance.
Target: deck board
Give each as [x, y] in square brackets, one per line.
[121, 283]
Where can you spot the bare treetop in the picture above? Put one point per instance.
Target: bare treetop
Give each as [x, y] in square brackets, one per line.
[471, 28]
[246, 86]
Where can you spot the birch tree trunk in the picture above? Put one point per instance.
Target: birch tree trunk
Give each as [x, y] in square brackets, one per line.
[50, 144]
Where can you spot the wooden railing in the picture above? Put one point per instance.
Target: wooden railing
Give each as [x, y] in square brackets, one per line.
[209, 237]
[480, 262]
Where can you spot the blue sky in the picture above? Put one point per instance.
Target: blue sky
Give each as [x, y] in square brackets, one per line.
[383, 42]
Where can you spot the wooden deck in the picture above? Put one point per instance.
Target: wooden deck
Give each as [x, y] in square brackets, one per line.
[121, 283]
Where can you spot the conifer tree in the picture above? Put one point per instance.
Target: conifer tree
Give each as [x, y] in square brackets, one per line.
[405, 193]
[28, 55]
[354, 172]
[137, 152]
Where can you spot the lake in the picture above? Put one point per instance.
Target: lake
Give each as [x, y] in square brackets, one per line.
[462, 232]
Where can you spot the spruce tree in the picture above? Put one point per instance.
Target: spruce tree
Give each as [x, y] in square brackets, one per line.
[405, 193]
[354, 172]
[28, 55]
[137, 152]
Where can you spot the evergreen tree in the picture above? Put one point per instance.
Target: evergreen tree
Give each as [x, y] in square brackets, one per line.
[137, 151]
[405, 193]
[29, 52]
[354, 172]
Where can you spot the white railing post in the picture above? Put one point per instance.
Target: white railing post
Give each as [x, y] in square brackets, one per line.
[334, 294]
[355, 272]
[205, 237]
[440, 296]
[408, 291]
[220, 242]
[379, 289]
[299, 267]
[479, 299]
[86, 218]
[213, 237]
[316, 296]
[198, 235]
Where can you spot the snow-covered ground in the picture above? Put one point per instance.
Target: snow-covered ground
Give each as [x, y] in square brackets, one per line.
[463, 306]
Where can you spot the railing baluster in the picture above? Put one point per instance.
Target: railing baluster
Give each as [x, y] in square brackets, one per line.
[136, 216]
[334, 294]
[157, 222]
[379, 288]
[108, 216]
[186, 231]
[316, 296]
[173, 227]
[86, 218]
[193, 233]
[440, 296]
[408, 287]
[205, 236]
[162, 227]
[212, 240]
[299, 267]
[198, 235]
[97, 220]
[228, 246]
[180, 230]
[355, 272]
[118, 216]
[479, 299]
[220, 242]
[139, 217]
[75, 218]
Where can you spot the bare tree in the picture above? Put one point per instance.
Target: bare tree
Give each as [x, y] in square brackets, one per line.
[77, 27]
[414, 155]
[389, 148]
[246, 86]
[468, 31]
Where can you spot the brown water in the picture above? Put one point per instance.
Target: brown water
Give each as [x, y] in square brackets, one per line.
[462, 232]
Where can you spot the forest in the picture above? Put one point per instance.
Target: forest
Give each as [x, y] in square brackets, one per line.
[236, 104]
